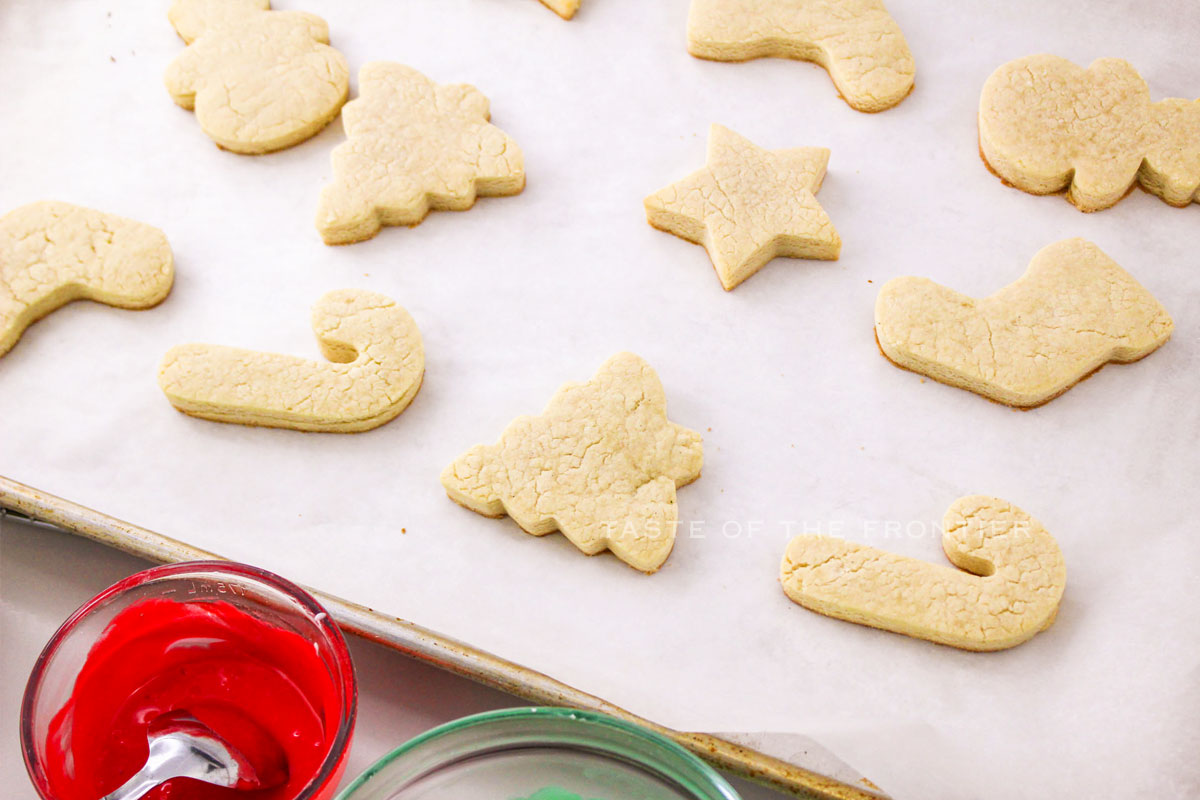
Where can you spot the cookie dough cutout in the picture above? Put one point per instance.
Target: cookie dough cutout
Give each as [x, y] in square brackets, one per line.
[1046, 125]
[856, 41]
[564, 8]
[52, 253]
[749, 205]
[601, 464]
[378, 363]
[258, 80]
[1007, 587]
[1073, 311]
[413, 146]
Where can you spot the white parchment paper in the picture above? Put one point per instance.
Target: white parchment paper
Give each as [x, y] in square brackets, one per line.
[806, 426]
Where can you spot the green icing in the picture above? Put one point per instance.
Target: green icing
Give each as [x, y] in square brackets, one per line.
[552, 793]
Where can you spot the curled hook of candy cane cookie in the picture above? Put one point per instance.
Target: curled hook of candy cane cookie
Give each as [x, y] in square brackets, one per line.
[52, 253]
[1006, 589]
[378, 364]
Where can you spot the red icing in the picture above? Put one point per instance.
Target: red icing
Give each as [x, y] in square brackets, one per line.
[211, 659]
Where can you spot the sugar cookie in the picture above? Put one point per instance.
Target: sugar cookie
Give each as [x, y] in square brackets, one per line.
[258, 80]
[1073, 311]
[1046, 125]
[413, 146]
[378, 357]
[1171, 168]
[856, 41]
[52, 253]
[564, 8]
[749, 205]
[601, 464]
[1013, 580]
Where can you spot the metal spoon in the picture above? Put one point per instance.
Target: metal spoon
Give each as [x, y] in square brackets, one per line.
[182, 746]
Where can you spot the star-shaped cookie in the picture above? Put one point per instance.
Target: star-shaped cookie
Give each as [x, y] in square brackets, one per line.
[564, 8]
[601, 464]
[749, 205]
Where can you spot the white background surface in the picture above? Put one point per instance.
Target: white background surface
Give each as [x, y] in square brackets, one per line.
[810, 427]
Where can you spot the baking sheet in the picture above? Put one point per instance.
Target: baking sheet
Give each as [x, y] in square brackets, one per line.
[811, 429]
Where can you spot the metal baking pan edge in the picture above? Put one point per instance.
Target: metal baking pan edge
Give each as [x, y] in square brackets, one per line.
[432, 647]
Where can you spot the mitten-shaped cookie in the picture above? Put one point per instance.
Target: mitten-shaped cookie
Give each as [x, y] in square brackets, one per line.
[52, 253]
[259, 80]
[413, 146]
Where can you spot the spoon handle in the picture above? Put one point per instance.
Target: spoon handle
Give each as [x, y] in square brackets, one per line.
[177, 755]
[139, 785]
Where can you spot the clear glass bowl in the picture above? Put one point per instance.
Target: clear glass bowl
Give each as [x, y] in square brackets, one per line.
[539, 753]
[257, 592]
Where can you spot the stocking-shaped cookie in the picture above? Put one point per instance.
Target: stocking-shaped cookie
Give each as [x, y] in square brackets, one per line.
[601, 464]
[856, 41]
[1006, 589]
[413, 146]
[1073, 311]
[52, 253]
[258, 80]
[377, 358]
